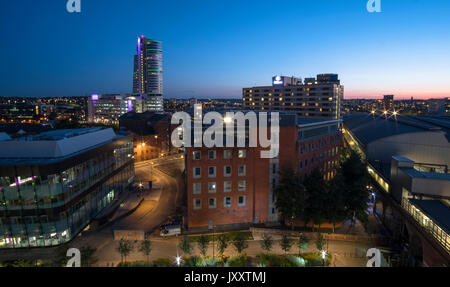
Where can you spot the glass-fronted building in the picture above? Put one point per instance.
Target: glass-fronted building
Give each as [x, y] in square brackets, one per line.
[53, 184]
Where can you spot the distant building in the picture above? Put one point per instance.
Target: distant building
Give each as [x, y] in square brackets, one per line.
[53, 184]
[107, 108]
[235, 186]
[439, 106]
[23, 112]
[319, 98]
[148, 75]
[151, 133]
[388, 102]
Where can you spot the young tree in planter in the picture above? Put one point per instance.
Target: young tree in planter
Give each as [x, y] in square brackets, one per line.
[222, 243]
[125, 247]
[316, 187]
[286, 243]
[185, 245]
[291, 196]
[267, 242]
[146, 248]
[302, 243]
[239, 243]
[320, 242]
[203, 243]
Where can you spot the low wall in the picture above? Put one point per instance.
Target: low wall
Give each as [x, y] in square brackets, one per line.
[129, 235]
[328, 236]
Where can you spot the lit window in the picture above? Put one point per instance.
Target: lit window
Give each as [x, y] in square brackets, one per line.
[242, 153]
[211, 187]
[197, 155]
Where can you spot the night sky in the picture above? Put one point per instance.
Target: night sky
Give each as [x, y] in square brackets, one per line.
[214, 48]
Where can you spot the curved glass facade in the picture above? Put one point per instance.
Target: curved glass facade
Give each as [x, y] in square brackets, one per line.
[46, 206]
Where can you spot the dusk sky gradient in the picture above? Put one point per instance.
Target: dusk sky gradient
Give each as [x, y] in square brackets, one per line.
[214, 48]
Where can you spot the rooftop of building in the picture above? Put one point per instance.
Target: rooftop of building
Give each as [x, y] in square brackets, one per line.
[368, 128]
[13, 128]
[149, 117]
[54, 146]
[436, 210]
[414, 173]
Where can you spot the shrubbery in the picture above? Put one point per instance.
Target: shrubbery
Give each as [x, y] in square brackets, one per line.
[307, 259]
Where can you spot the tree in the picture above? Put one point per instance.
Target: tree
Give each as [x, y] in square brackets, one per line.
[302, 243]
[320, 242]
[125, 247]
[336, 210]
[185, 245]
[60, 259]
[267, 242]
[222, 243]
[291, 196]
[203, 243]
[240, 243]
[146, 248]
[316, 187]
[286, 243]
[356, 179]
[88, 257]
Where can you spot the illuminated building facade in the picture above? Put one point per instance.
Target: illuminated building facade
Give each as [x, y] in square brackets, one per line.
[52, 185]
[234, 186]
[148, 75]
[319, 97]
[107, 108]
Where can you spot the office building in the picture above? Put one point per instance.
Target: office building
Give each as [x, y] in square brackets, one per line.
[108, 108]
[53, 184]
[235, 186]
[148, 75]
[319, 97]
[388, 102]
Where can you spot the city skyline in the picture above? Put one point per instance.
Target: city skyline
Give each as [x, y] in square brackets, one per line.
[214, 50]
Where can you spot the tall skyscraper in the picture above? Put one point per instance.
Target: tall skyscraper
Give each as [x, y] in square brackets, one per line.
[147, 75]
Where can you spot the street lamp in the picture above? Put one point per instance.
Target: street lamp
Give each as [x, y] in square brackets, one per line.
[324, 254]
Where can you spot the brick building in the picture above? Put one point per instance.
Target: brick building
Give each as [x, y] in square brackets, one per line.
[151, 133]
[235, 186]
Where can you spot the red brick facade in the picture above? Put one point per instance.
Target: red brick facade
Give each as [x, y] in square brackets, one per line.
[222, 206]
